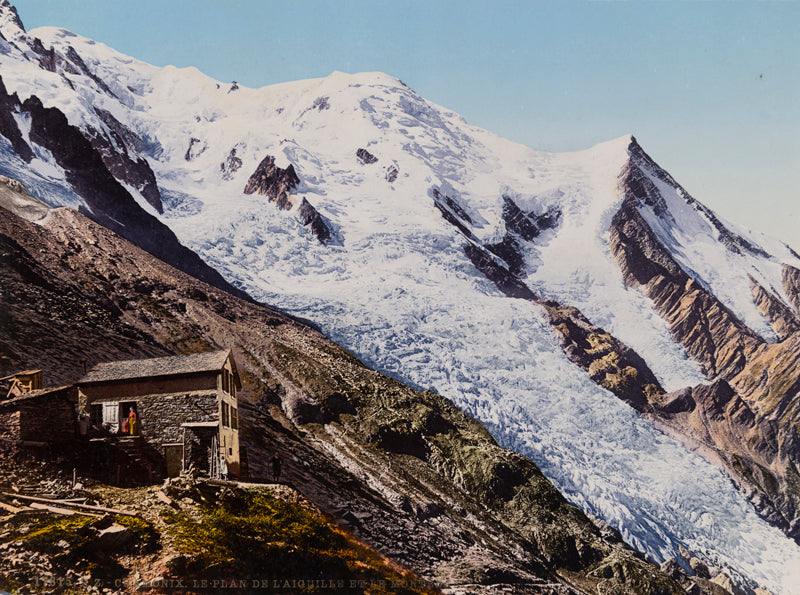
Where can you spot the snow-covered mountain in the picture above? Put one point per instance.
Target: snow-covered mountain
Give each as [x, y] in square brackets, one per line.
[572, 302]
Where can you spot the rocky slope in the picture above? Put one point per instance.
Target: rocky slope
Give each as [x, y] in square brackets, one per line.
[95, 171]
[405, 470]
[190, 535]
[752, 420]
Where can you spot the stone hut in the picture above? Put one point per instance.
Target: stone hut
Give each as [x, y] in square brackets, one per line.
[185, 407]
[39, 417]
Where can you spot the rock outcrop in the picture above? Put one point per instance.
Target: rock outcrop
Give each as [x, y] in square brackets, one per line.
[391, 174]
[314, 221]
[791, 283]
[783, 319]
[10, 104]
[121, 163]
[752, 420]
[231, 165]
[273, 182]
[107, 200]
[366, 157]
[709, 331]
[608, 361]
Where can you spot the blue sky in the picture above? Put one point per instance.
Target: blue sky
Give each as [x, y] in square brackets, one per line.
[710, 89]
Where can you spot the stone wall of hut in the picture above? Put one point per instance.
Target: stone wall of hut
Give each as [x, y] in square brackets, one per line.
[160, 416]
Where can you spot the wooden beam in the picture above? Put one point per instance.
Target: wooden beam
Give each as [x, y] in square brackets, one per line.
[9, 507]
[53, 509]
[71, 504]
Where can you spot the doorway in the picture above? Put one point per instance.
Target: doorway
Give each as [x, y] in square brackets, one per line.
[124, 416]
[173, 454]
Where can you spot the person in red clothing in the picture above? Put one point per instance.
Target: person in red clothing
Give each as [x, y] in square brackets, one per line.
[132, 422]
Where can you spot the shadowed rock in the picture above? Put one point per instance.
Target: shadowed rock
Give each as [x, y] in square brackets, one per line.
[313, 220]
[273, 182]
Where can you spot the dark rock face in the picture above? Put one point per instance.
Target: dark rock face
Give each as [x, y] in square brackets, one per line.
[79, 67]
[312, 219]
[109, 203]
[518, 221]
[120, 163]
[783, 319]
[273, 182]
[366, 157]
[453, 212]
[508, 273]
[196, 148]
[230, 166]
[124, 136]
[10, 104]
[47, 58]
[391, 173]
[748, 418]
[498, 274]
[510, 252]
[8, 10]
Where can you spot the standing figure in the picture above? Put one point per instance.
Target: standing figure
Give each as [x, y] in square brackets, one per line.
[276, 467]
[132, 424]
[223, 468]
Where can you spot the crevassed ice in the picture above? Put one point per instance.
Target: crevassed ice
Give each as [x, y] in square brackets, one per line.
[425, 317]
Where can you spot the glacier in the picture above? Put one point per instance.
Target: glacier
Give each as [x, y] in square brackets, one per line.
[395, 287]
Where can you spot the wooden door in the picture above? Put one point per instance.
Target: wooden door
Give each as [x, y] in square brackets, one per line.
[173, 453]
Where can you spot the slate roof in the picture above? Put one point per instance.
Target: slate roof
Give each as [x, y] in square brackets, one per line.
[36, 394]
[174, 365]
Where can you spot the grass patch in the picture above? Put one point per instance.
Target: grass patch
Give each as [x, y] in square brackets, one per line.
[255, 534]
[71, 542]
[599, 343]
[48, 533]
[606, 363]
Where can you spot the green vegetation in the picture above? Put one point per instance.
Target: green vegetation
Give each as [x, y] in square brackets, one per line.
[603, 364]
[254, 534]
[52, 534]
[599, 343]
[76, 542]
[145, 536]
[619, 379]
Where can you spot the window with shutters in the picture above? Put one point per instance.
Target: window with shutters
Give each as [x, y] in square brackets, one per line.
[225, 415]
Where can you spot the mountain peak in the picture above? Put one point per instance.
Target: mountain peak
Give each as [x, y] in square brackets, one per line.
[10, 23]
[368, 78]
